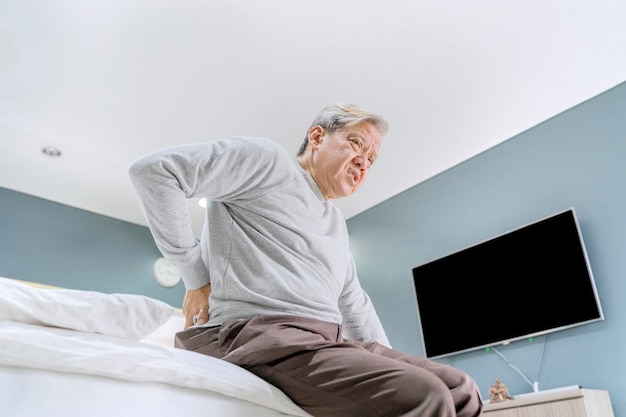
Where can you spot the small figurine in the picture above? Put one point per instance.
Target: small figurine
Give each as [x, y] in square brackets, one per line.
[498, 392]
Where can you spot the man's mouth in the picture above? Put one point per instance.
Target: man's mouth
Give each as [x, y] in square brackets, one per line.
[354, 175]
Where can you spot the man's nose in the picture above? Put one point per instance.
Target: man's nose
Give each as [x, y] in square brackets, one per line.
[359, 160]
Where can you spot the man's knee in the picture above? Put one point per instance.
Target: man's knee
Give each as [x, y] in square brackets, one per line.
[467, 398]
[417, 395]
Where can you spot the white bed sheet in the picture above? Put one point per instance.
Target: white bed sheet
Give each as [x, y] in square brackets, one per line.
[164, 335]
[54, 371]
[28, 392]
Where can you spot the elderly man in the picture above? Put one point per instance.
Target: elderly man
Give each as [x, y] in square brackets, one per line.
[272, 285]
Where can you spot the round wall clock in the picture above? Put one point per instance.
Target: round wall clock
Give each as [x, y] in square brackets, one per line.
[165, 273]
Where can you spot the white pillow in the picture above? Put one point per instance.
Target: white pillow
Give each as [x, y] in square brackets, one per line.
[123, 315]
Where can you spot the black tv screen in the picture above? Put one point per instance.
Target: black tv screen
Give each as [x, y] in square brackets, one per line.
[527, 282]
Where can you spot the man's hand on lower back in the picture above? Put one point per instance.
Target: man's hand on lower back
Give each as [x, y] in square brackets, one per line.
[196, 306]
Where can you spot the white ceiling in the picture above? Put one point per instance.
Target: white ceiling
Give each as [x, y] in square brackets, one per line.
[109, 80]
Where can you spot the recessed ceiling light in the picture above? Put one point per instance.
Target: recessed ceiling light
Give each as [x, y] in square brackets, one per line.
[51, 151]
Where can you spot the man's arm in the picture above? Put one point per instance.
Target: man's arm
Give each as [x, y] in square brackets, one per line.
[163, 181]
[360, 321]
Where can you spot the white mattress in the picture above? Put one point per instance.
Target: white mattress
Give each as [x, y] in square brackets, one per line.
[66, 372]
[54, 371]
[28, 392]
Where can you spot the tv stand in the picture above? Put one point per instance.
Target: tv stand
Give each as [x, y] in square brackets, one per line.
[568, 402]
[549, 391]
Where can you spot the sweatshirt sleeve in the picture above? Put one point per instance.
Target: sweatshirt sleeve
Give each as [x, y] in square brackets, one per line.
[220, 170]
[360, 320]
[163, 182]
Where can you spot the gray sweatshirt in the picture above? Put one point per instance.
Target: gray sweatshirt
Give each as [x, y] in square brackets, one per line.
[271, 243]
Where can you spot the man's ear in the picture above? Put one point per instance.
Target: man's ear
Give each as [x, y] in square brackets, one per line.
[316, 136]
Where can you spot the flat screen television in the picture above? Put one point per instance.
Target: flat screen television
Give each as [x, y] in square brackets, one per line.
[527, 282]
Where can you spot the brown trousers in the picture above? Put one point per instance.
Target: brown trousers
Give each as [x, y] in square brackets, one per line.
[327, 375]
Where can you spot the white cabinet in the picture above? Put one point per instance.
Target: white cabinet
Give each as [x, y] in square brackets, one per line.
[572, 402]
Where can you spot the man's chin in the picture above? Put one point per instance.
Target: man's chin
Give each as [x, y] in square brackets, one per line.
[351, 191]
[346, 191]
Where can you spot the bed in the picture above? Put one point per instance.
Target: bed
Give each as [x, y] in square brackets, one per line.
[84, 353]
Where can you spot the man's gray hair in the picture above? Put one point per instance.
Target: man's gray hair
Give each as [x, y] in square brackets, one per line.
[339, 115]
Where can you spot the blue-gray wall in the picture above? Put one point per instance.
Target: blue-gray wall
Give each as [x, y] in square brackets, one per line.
[575, 159]
[54, 244]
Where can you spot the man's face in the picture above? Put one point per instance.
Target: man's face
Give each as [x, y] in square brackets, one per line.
[342, 159]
